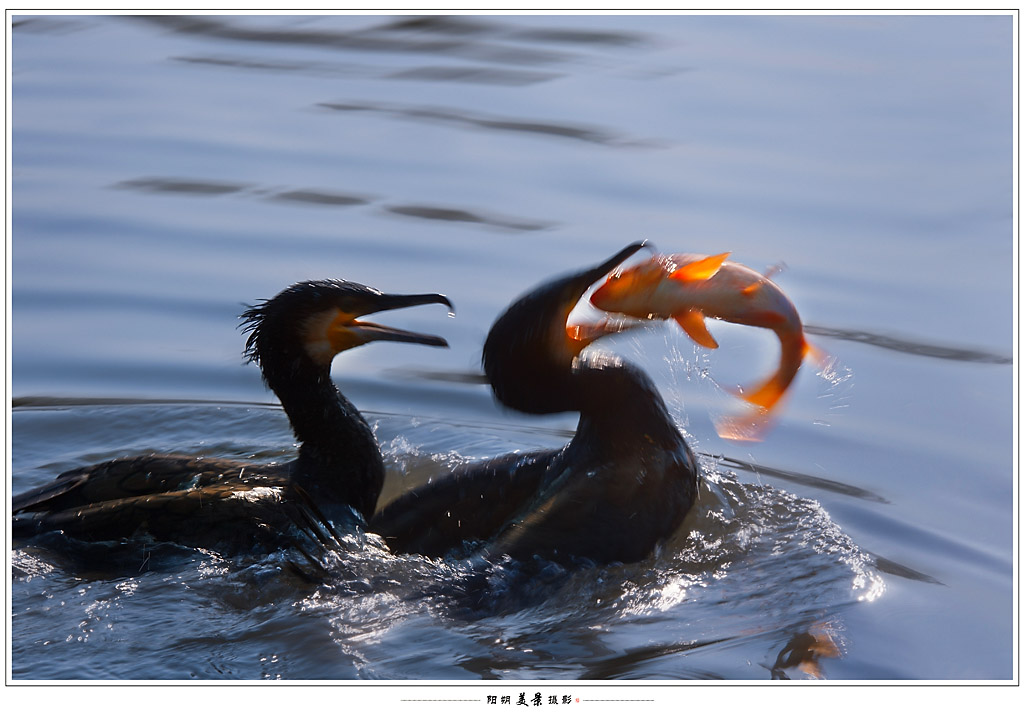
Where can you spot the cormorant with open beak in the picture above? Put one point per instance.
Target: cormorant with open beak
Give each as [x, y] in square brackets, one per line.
[206, 502]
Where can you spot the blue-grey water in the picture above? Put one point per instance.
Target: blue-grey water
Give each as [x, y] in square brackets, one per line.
[169, 170]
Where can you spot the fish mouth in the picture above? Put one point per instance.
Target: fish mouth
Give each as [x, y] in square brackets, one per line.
[581, 335]
[529, 352]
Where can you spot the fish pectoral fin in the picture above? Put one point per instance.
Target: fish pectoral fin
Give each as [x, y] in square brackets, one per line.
[579, 336]
[692, 322]
[751, 289]
[700, 269]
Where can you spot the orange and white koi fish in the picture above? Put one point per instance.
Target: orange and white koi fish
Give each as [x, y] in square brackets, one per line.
[689, 288]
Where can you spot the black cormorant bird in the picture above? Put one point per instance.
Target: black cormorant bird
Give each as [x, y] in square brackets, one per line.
[624, 483]
[202, 502]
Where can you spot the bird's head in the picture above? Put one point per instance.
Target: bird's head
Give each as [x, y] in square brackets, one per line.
[318, 319]
[529, 349]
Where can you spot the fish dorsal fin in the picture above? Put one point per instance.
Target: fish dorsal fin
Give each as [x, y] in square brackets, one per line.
[700, 269]
[692, 321]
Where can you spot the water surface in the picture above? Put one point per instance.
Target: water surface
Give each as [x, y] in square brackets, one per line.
[166, 171]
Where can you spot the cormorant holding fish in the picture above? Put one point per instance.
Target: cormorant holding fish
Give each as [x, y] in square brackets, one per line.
[204, 502]
[689, 288]
[623, 484]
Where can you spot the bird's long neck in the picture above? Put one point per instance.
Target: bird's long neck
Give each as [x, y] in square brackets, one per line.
[619, 404]
[537, 389]
[339, 462]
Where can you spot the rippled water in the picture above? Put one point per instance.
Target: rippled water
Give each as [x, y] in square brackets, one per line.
[168, 170]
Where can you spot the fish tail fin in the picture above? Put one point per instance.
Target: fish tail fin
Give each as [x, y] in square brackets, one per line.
[751, 427]
[794, 350]
[815, 354]
[768, 395]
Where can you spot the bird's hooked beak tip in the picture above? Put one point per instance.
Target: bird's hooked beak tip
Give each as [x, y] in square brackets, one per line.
[583, 280]
[395, 302]
[353, 331]
[620, 257]
[580, 336]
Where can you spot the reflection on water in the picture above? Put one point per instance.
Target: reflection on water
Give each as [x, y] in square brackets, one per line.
[435, 34]
[889, 567]
[803, 479]
[910, 346]
[204, 187]
[428, 73]
[47, 25]
[463, 26]
[453, 215]
[462, 118]
[806, 651]
[324, 198]
[187, 187]
[317, 197]
[376, 40]
[752, 561]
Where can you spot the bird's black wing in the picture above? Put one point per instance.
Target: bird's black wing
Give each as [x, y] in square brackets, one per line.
[471, 503]
[229, 517]
[137, 477]
[608, 510]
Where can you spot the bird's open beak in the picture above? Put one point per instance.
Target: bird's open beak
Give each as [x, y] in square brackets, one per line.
[361, 332]
[345, 330]
[579, 336]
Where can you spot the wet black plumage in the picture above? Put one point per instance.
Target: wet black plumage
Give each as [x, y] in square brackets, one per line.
[204, 502]
[624, 482]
